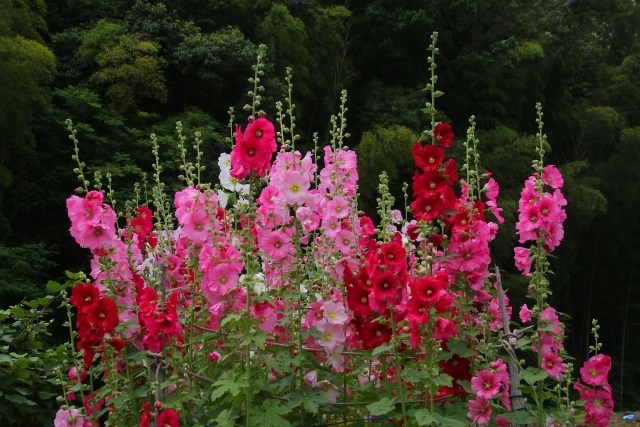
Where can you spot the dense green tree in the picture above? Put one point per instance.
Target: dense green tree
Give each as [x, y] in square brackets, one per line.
[131, 72]
[384, 149]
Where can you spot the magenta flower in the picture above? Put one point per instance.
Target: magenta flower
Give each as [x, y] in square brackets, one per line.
[479, 411]
[485, 384]
[595, 370]
[525, 313]
[552, 363]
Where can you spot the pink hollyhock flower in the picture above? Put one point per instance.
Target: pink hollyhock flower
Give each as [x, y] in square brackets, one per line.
[472, 255]
[479, 411]
[334, 313]
[552, 363]
[68, 418]
[525, 313]
[196, 225]
[595, 370]
[523, 260]
[276, 244]
[550, 317]
[332, 336]
[308, 218]
[485, 384]
[329, 391]
[345, 241]
[254, 149]
[294, 188]
[598, 406]
[552, 177]
[221, 279]
[338, 207]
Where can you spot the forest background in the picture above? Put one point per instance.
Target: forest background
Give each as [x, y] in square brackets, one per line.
[123, 69]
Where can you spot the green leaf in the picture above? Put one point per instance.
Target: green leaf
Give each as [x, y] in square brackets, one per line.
[309, 401]
[229, 382]
[424, 418]
[382, 407]
[461, 348]
[271, 415]
[449, 422]
[382, 349]
[520, 417]
[21, 400]
[532, 375]
[230, 318]
[54, 287]
[226, 418]
[18, 312]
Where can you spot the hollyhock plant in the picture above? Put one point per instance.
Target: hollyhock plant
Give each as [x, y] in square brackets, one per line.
[268, 298]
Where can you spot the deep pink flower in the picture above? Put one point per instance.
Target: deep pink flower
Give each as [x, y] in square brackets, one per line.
[552, 177]
[485, 384]
[552, 363]
[479, 411]
[254, 149]
[595, 370]
[523, 260]
[525, 313]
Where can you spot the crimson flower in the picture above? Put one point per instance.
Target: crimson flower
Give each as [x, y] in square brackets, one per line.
[443, 134]
[428, 157]
[84, 297]
[104, 317]
[374, 334]
[168, 418]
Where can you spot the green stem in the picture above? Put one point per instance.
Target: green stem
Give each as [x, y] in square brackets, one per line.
[396, 357]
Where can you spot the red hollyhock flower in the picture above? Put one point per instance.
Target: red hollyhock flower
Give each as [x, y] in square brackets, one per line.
[428, 157]
[84, 297]
[443, 134]
[393, 254]
[386, 287]
[417, 311]
[168, 418]
[428, 288]
[145, 417]
[374, 334]
[429, 183]
[104, 316]
[426, 208]
[142, 224]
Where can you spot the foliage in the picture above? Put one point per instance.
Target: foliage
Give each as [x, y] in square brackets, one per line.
[29, 359]
[131, 70]
[384, 149]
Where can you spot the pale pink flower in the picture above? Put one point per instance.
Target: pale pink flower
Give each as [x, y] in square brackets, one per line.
[68, 418]
[334, 313]
[332, 336]
[294, 188]
[338, 207]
